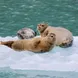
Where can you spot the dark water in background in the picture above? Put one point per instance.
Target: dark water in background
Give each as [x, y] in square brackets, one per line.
[16, 14]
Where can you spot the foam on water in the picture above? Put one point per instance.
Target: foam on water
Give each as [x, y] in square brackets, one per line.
[58, 59]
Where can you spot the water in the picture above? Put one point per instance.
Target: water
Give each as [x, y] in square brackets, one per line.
[8, 73]
[16, 14]
[59, 62]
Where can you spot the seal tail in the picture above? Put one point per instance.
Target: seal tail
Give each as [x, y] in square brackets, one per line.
[7, 43]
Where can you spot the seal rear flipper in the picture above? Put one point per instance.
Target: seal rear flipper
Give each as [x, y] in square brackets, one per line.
[65, 45]
[7, 43]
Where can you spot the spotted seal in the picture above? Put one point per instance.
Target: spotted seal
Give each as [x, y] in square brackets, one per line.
[26, 33]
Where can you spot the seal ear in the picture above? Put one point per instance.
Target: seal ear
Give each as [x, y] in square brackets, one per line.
[37, 43]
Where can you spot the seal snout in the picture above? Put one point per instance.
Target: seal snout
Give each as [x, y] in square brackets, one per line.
[39, 26]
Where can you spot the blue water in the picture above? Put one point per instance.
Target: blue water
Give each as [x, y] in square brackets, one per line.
[8, 73]
[16, 14]
[59, 62]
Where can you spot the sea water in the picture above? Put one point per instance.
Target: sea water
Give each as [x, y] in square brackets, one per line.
[59, 62]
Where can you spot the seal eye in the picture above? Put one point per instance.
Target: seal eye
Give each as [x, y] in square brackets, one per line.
[42, 25]
[51, 35]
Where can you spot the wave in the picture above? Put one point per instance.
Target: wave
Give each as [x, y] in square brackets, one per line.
[58, 59]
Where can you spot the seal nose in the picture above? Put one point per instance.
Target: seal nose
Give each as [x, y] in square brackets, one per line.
[39, 27]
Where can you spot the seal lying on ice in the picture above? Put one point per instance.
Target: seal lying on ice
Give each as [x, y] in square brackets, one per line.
[26, 33]
[36, 44]
[64, 37]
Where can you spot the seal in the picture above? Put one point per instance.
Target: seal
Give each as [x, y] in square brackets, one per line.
[36, 44]
[26, 33]
[64, 37]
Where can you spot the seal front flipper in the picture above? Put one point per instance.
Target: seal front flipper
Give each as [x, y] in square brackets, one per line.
[36, 43]
[45, 33]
